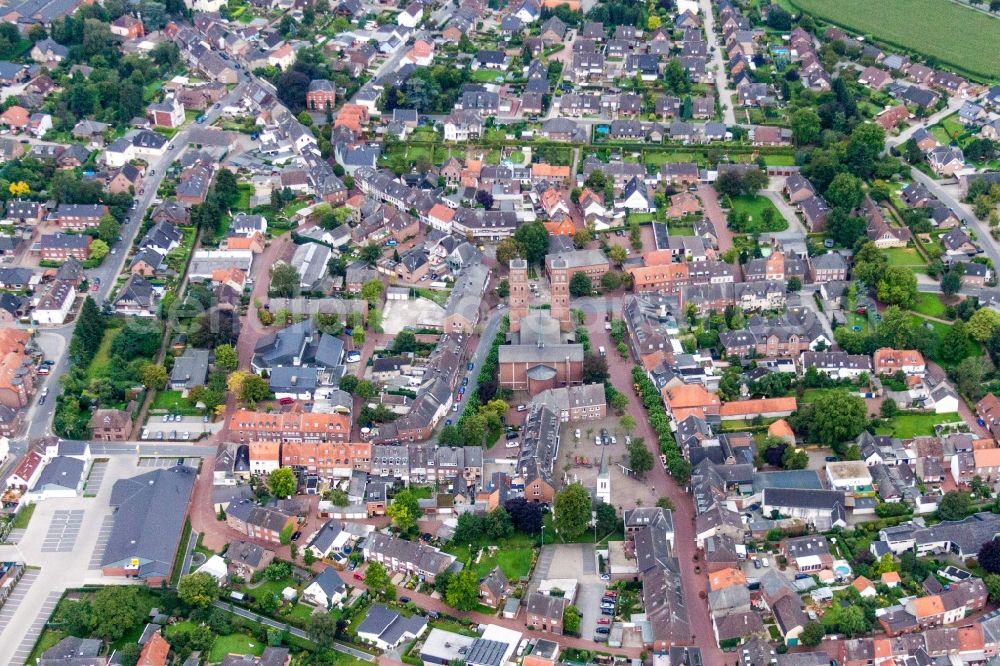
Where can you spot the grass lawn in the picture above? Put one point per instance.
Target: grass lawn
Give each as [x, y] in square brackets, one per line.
[301, 613]
[486, 76]
[181, 550]
[941, 329]
[915, 425]
[246, 191]
[755, 206]
[861, 321]
[904, 256]
[641, 217]
[779, 160]
[422, 492]
[950, 32]
[234, 644]
[99, 365]
[48, 639]
[24, 517]
[493, 157]
[172, 402]
[930, 305]
[514, 562]
[271, 587]
[517, 157]
[814, 394]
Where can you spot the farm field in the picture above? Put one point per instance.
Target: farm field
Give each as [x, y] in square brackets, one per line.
[953, 34]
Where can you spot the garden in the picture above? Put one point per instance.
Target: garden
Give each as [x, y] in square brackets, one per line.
[908, 425]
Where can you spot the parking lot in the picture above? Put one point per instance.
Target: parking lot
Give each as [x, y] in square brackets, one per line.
[43, 612]
[16, 597]
[577, 562]
[96, 478]
[167, 462]
[186, 429]
[103, 534]
[63, 530]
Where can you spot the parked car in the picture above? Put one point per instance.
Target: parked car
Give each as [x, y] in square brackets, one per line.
[358, 576]
[296, 535]
[404, 600]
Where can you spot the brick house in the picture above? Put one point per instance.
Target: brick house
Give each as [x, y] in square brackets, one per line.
[60, 247]
[112, 425]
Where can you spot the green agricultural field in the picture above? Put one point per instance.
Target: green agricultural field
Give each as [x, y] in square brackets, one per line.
[956, 35]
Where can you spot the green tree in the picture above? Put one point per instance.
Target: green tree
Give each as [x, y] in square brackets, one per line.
[377, 578]
[198, 590]
[370, 253]
[832, 419]
[371, 291]
[405, 341]
[534, 240]
[226, 358]
[571, 620]
[365, 390]
[463, 590]
[640, 460]
[572, 511]
[116, 611]
[474, 430]
[579, 284]
[845, 191]
[498, 524]
[897, 286]
[285, 280]
[322, 628]
[404, 510]
[607, 518]
[98, 249]
[812, 635]
[507, 250]
[627, 423]
[109, 229]
[992, 582]
[805, 126]
[154, 376]
[951, 283]
[281, 482]
[983, 323]
[955, 505]
[254, 389]
[617, 254]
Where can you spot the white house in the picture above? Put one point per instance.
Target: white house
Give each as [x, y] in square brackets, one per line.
[411, 16]
[53, 306]
[687, 6]
[635, 196]
[62, 477]
[215, 567]
[386, 629]
[849, 475]
[326, 590]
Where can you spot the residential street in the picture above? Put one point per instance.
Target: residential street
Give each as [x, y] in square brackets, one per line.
[718, 65]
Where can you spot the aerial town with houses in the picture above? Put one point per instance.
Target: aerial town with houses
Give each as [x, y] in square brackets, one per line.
[506, 333]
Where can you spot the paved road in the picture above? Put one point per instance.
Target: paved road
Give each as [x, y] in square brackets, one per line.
[702, 633]
[947, 198]
[721, 81]
[713, 211]
[774, 194]
[954, 104]
[298, 633]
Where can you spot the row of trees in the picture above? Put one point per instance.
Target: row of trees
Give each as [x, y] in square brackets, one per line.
[677, 465]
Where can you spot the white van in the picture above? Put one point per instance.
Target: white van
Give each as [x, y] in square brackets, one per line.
[603, 351]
